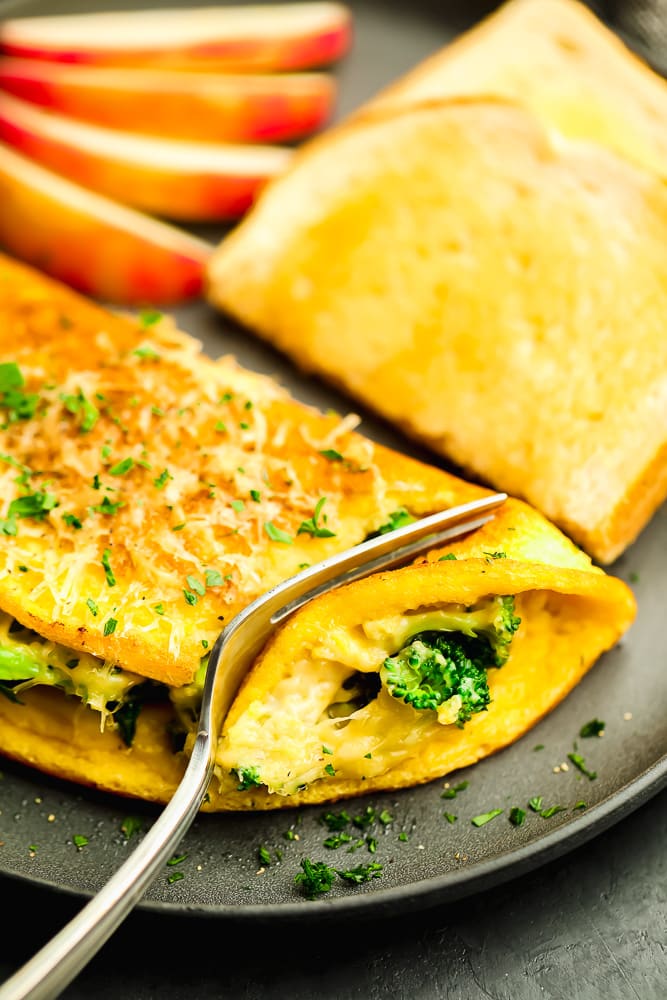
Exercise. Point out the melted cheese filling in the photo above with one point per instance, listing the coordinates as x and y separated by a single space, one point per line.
27 659
309 727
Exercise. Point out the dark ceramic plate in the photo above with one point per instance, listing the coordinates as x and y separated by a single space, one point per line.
426 859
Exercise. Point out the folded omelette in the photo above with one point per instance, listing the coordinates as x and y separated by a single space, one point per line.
149 493
478 255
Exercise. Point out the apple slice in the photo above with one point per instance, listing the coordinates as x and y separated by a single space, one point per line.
192 181
244 39
100 248
209 107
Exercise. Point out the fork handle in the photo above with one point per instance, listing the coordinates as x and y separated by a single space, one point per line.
50 970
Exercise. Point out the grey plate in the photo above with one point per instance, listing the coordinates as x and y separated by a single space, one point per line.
437 860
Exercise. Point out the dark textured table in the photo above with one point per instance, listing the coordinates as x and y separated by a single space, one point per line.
590 925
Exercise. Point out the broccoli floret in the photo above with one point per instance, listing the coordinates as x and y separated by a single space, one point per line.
437 667
500 631
248 778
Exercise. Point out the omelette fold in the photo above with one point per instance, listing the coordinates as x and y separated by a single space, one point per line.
149 493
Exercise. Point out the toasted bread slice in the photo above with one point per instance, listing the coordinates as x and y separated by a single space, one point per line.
494 289
562 63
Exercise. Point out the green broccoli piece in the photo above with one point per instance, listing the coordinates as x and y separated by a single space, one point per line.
248 778
436 666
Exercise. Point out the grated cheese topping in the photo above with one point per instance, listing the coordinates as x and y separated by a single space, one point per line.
157 488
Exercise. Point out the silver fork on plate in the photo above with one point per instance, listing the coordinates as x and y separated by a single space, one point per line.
51 969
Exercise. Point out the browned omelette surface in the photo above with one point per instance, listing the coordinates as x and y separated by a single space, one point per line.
167 489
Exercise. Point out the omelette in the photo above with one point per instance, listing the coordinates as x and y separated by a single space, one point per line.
150 493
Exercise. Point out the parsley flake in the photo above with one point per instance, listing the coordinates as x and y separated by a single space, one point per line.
593 728
122 468
311 526
108 572
517 815
484 818
580 764
277 534
82 408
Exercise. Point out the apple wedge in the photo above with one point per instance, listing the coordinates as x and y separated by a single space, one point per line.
92 244
234 39
211 107
176 179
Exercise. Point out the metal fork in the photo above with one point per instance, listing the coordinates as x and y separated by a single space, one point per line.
51 969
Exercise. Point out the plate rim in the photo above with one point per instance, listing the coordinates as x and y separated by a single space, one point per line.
419 895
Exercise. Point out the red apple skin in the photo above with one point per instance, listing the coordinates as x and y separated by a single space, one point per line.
151 186
195 106
260 50
93 245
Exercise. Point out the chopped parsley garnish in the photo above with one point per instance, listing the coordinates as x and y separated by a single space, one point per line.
19 405
122 468
332 454
580 805
82 408
196 585
174 877
551 811
362 873
336 821
237 505
146 353
255 495
495 555
107 507
263 855
72 521
106 564
312 527
161 481
398 519
92 607
35 505
176 859
130 826
190 597
336 840
517 815
159 609
447 556
79 840
277 534
315 879
451 793
330 770
149 317
213 578
450 817
593 728
580 764
536 803
484 818
110 626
